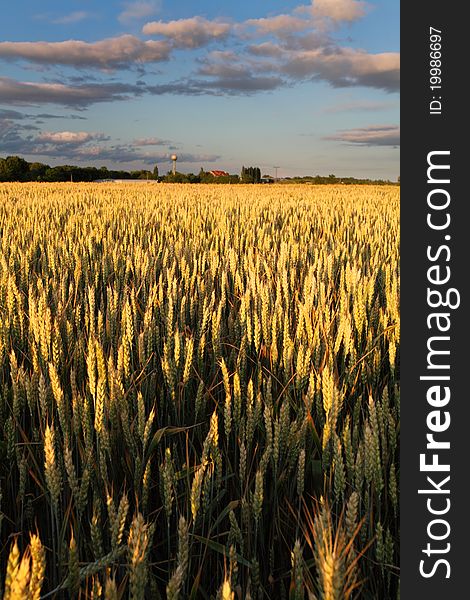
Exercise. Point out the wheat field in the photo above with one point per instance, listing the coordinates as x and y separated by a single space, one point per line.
199 391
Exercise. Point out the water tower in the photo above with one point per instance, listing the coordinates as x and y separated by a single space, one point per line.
174 158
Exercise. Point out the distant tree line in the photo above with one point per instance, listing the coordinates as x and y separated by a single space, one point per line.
15 168
322 179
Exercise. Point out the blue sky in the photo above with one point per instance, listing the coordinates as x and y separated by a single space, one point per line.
310 87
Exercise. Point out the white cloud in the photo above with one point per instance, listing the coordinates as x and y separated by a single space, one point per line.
373 135
339 66
74 17
110 53
150 141
266 49
345 67
188 33
139 10
69 137
336 10
279 23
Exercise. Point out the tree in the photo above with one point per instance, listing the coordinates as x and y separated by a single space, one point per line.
177 177
250 175
141 174
14 168
60 173
155 172
37 171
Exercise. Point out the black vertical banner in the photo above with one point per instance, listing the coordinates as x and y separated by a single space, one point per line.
435 259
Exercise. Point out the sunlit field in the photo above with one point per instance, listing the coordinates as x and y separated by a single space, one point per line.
199 391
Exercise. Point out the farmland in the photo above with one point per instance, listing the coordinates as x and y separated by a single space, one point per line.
199 391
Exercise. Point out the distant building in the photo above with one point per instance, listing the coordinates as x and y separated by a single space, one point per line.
219 173
267 179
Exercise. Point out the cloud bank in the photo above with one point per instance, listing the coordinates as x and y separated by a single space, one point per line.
373 135
112 53
289 48
138 10
27 93
217 57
